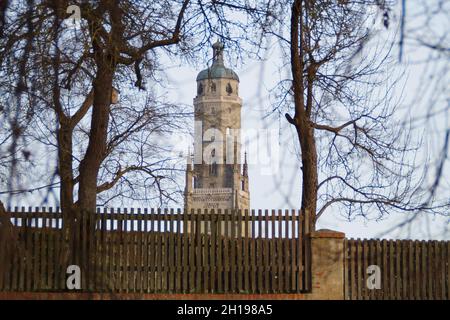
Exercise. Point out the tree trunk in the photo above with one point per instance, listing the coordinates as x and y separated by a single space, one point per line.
96 150
90 165
301 121
65 147
309 172
65 151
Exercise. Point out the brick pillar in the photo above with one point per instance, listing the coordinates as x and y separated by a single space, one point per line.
327 265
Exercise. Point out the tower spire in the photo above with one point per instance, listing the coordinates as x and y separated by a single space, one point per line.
245 170
218 53
189 159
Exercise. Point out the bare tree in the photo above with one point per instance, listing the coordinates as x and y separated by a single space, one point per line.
63 81
354 154
59 73
424 41
423 45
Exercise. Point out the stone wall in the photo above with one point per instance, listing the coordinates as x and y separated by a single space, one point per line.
327 265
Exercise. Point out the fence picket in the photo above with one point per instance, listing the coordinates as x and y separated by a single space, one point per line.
246 262
186 264
437 271
132 252
233 251
448 270
385 276
226 250
192 266
198 251
139 254
299 244
112 245
12 281
259 252
293 262
411 269
205 250
178 256
430 268
280 251
219 239
3 256
404 266
213 251
266 255
152 253
273 265
359 258
379 262
171 250
253 265
159 253
29 248
417 257
22 254
443 262
37 250
352 283
425 293
286 253
307 251
239 265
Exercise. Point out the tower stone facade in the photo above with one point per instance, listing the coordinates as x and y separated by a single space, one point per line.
215 177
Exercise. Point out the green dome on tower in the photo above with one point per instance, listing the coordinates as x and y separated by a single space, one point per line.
217 69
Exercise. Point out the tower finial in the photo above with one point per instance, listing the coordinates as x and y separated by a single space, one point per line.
218 52
189 159
245 169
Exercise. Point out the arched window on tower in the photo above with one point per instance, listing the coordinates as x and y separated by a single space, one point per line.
229 89
213 87
200 89
243 185
213 169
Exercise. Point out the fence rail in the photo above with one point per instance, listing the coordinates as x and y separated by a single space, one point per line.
409 269
154 251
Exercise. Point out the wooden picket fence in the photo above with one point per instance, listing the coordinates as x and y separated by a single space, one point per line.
413 270
154 251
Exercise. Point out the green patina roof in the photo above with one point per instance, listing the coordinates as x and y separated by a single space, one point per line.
217 70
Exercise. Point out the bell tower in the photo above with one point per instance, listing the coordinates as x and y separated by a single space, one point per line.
215 176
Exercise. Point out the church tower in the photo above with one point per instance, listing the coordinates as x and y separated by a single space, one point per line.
216 179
